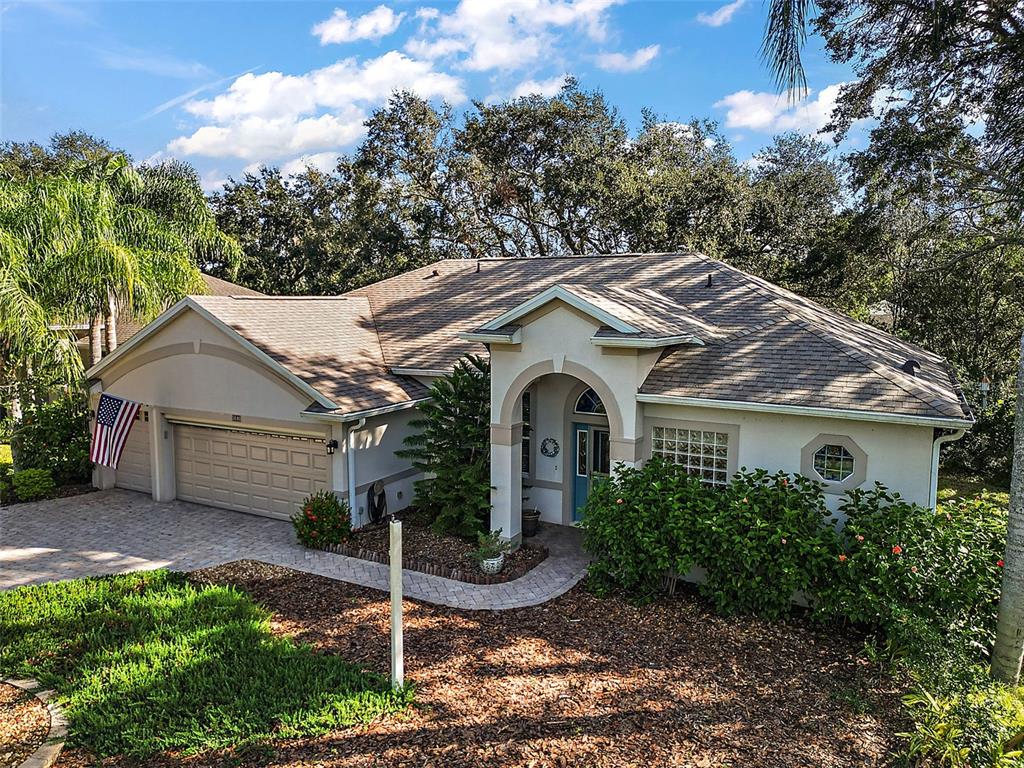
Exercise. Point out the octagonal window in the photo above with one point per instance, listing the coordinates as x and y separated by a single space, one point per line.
834 463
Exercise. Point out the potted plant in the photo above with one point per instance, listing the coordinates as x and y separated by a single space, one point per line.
491 551
531 516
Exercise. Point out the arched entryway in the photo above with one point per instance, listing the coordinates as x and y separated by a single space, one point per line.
555 439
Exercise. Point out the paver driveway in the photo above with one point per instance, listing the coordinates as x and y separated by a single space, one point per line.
115 531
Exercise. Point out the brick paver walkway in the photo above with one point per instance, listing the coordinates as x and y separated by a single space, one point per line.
116 531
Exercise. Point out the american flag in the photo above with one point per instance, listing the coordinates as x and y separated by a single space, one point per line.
114 419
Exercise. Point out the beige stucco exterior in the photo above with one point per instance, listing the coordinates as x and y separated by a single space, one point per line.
191 371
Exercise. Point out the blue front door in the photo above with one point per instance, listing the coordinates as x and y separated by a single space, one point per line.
591 461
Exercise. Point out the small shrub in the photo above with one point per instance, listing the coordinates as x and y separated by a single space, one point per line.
6 489
323 519
490 545
33 484
766 537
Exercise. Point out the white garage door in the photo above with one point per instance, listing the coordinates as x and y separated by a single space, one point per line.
250 472
133 470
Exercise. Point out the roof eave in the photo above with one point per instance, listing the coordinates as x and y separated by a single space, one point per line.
645 342
334 416
562 294
492 337
801 410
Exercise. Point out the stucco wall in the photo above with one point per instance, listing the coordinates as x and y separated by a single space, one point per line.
190 365
375 458
898 456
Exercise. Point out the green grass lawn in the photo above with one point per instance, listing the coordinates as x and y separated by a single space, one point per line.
951 486
148 662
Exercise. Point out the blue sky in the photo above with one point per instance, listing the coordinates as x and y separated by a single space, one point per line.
230 85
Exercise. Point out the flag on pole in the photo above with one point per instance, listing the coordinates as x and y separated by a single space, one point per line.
114 419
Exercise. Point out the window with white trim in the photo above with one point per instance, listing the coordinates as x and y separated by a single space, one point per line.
589 402
527 432
702 453
834 463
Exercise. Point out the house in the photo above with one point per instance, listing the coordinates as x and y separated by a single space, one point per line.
253 402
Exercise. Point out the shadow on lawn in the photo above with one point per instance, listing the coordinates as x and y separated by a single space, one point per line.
149 662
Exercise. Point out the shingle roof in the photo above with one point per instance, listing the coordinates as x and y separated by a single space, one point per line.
763 344
329 343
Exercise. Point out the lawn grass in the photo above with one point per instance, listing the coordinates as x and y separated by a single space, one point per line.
149 662
953 486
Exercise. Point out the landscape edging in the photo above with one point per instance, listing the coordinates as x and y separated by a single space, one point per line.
430 568
46 753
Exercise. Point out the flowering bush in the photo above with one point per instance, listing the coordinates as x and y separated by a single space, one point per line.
942 567
323 519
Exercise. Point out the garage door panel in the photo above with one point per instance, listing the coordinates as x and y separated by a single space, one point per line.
260 473
133 470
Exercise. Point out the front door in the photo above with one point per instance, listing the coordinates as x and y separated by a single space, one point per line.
591 463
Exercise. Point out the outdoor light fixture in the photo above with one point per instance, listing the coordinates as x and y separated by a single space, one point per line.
332 445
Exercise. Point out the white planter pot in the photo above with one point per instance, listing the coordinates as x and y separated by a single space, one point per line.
492 565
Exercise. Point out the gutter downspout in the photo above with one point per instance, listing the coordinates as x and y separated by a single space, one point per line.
350 449
933 491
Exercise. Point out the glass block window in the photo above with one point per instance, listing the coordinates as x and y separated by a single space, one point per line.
833 463
703 453
589 402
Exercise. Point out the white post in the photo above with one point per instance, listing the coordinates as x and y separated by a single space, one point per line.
397 670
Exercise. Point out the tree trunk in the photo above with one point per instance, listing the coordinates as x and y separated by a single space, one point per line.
95 339
111 321
1009 647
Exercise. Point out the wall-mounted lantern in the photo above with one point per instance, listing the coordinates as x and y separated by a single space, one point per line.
332 446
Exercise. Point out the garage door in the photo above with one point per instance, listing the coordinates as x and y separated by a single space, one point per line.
133 470
261 473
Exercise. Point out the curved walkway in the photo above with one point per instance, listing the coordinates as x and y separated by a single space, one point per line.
116 531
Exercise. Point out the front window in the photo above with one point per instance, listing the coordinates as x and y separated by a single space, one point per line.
589 402
702 453
527 431
834 463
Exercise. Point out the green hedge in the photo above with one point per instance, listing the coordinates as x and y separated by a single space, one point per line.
758 540
924 582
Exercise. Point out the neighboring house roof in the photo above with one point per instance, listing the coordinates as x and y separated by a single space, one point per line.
128 327
761 343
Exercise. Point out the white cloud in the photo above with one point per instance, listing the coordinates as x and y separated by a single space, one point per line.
772 112
274 115
721 16
191 94
340 28
623 62
546 88
506 34
322 161
258 138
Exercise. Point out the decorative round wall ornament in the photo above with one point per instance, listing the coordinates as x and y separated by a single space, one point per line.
549 447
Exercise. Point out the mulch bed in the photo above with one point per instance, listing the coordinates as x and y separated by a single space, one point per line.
24 723
578 681
442 555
